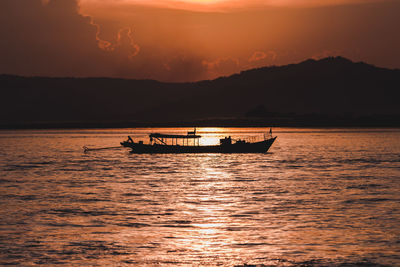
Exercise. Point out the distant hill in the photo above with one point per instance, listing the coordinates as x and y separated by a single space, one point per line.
313 89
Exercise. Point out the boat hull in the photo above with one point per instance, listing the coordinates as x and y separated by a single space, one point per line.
257 147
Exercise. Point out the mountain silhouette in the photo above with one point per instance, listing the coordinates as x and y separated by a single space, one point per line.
327 88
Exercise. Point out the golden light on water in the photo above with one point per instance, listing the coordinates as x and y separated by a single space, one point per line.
311 199
209 141
210 135
202 1
208 234
211 130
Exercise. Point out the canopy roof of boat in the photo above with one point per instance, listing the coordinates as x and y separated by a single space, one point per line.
174 136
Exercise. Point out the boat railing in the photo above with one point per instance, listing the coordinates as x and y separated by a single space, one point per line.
250 139
192 139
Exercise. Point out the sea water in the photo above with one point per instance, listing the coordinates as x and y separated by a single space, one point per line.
318 197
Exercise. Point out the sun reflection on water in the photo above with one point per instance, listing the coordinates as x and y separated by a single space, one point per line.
208 208
318 196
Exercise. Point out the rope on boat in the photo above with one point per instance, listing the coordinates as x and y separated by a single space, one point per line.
86 149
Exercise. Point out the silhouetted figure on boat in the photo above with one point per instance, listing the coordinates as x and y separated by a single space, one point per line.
225 141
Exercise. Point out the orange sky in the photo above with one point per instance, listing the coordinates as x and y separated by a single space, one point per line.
172 40
224 5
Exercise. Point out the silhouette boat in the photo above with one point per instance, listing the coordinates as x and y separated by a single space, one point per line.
190 143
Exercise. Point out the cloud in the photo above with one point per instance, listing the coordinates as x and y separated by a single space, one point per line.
51 38
125 42
260 55
222 66
183 68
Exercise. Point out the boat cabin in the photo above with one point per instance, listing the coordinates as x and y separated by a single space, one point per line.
191 139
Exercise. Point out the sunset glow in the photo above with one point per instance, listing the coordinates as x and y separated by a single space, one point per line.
182 40
219 5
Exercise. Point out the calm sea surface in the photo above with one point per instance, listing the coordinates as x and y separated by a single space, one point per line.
318 197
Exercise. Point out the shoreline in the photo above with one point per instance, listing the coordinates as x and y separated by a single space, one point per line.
392 123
